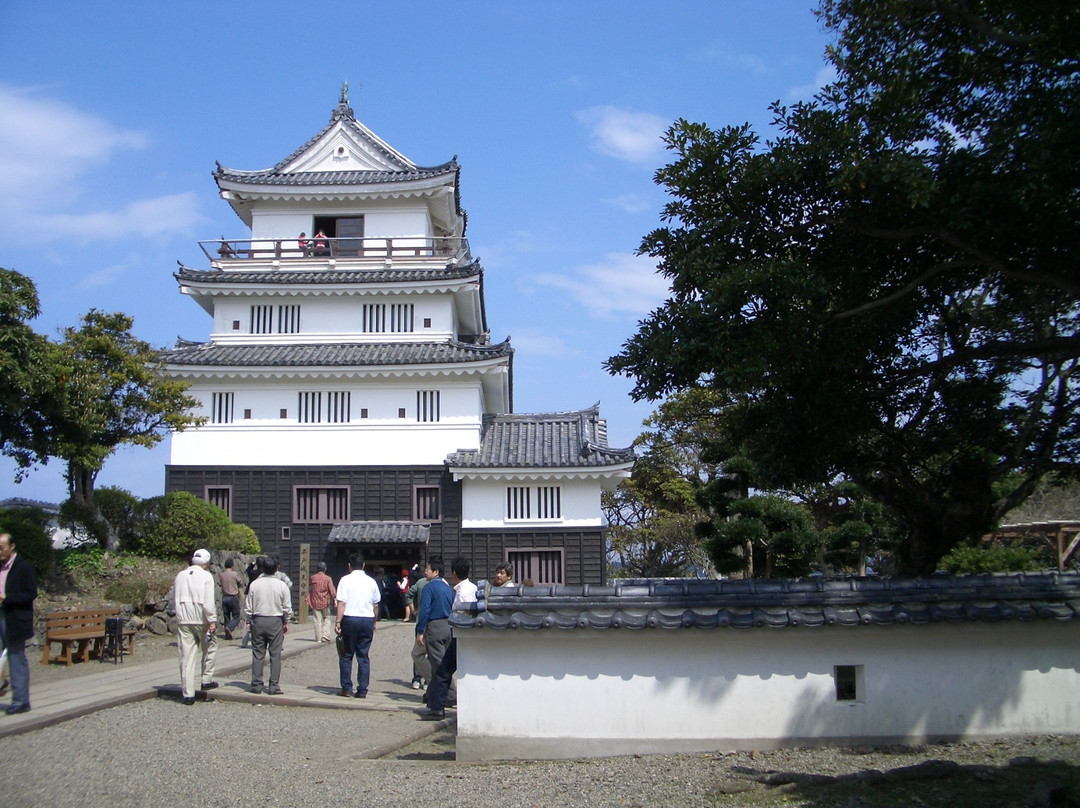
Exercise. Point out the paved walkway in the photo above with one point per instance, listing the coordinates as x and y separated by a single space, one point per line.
129 681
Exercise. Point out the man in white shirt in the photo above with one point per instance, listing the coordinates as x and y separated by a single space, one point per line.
196 613
358 597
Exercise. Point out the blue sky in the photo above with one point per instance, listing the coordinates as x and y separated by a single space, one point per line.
112 115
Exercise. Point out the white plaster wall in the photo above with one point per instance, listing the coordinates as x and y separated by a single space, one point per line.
484 500
275 223
381 438
382 218
555 693
349 444
334 318
397 223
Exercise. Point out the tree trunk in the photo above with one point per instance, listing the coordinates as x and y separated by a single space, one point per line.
81 492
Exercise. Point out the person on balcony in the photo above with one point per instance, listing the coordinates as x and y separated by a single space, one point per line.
302 243
322 244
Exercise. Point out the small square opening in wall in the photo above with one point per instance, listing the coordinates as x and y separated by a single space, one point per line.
848 680
235 325
401 412
427 322
284 413
363 412
247 415
285 534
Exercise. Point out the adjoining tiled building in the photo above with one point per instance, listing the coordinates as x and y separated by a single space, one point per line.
352 393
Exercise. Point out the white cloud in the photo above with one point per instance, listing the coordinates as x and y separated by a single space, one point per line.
45 144
145 218
804 92
104 277
631 136
621 284
744 62
47 148
631 203
539 343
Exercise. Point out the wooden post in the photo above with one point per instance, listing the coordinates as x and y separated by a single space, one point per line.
305 581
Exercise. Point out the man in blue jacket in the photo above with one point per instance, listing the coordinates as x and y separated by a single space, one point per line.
18 590
433 619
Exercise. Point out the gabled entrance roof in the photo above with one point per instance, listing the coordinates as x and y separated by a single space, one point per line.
379 533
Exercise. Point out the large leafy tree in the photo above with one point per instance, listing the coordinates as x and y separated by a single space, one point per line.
107 392
23 432
887 291
652 517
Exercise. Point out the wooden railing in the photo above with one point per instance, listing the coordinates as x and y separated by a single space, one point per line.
375 249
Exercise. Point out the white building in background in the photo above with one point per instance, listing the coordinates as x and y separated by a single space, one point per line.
353 394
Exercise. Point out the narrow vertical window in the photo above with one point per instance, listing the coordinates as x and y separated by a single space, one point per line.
373 318
543 567
401 317
548 502
324 505
518 505
428 405
262 320
288 319
338 406
309 407
220 495
221 408
426 504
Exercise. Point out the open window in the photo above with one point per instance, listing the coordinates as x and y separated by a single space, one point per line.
346 232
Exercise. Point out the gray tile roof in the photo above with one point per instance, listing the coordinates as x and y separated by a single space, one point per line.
407 171
811 602
292 277
271 176
549 440
379 533
333 355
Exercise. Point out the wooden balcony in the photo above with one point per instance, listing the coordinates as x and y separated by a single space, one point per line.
343 253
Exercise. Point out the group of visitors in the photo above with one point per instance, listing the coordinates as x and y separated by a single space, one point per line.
345 614
266 613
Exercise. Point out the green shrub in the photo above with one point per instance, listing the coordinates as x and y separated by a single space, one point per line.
989 559
89 559
29 531
243 539
179 523
120 509
131 590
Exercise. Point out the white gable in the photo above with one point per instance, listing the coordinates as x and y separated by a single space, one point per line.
349 146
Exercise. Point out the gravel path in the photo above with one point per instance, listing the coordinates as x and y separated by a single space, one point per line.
160 753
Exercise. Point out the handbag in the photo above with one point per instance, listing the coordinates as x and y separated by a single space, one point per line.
339 643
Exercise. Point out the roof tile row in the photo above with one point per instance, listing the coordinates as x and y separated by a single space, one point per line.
814 602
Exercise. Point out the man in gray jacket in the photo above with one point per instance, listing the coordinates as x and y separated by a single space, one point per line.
267 611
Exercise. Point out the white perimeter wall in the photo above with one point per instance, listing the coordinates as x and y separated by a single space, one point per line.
585 693
485 502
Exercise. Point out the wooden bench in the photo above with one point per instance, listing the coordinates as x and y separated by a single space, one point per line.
84 631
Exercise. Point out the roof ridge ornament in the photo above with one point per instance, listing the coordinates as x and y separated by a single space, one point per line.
343 109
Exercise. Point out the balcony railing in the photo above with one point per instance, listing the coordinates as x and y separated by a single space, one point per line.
381 250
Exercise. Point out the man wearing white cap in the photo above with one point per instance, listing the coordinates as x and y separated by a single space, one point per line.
196 612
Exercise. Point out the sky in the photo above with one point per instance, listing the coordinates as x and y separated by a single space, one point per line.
113 114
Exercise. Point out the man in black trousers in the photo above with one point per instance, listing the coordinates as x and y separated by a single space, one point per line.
18 590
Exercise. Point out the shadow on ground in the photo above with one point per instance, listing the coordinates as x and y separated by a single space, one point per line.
1023 782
